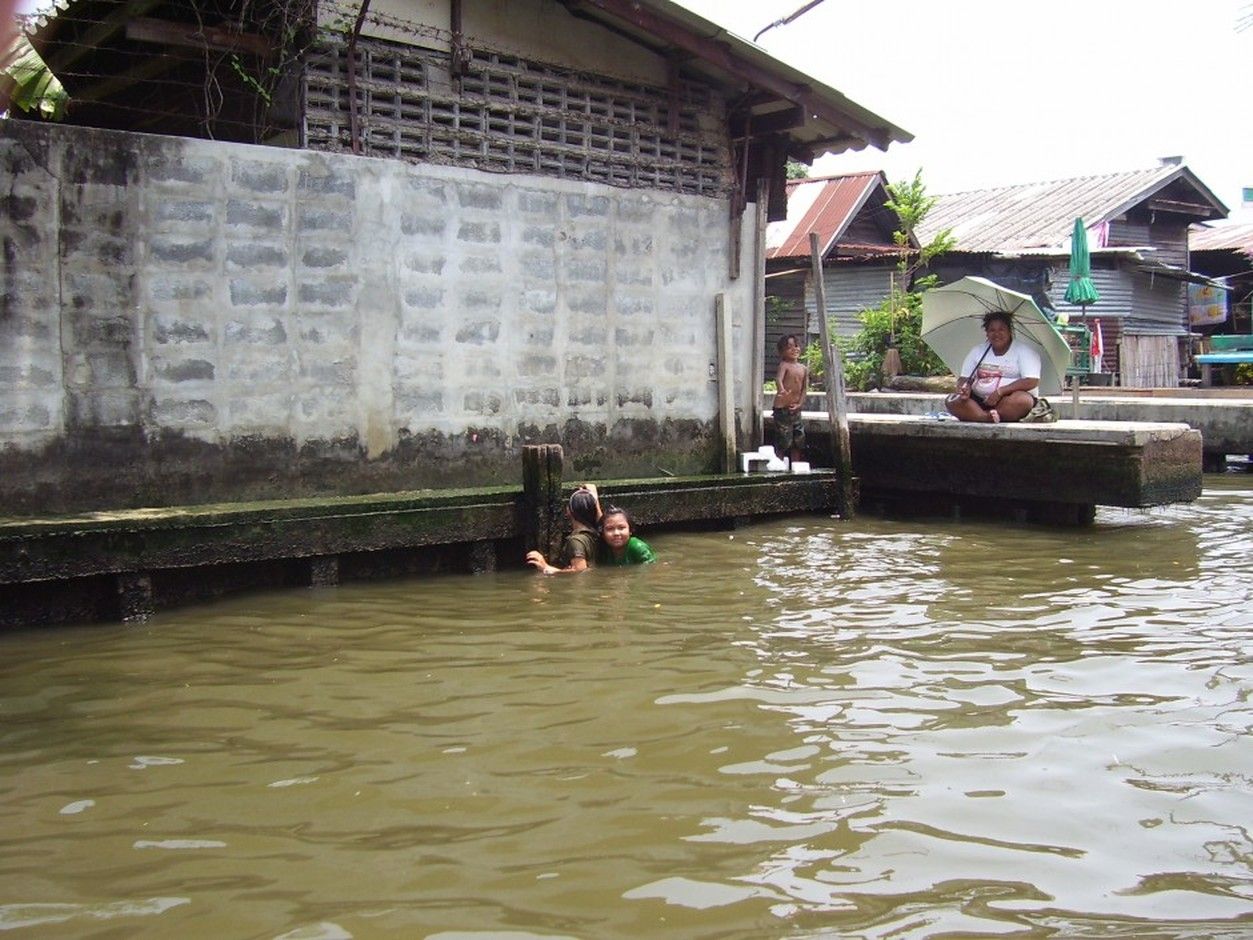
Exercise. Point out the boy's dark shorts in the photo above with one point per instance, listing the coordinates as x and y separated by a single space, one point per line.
789 429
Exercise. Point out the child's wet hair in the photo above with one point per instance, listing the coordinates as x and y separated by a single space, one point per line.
783 340
583 507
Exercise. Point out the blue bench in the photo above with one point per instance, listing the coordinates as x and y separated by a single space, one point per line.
1224 351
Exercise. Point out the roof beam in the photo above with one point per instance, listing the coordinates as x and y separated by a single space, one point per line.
719 54
1158 204
194 36
771 122
78 46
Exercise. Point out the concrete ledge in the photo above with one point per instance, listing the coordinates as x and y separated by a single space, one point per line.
139 540
1225 421
1080 463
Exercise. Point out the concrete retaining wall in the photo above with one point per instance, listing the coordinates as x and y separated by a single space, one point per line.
188 321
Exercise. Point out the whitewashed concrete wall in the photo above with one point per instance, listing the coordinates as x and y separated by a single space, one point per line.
187 319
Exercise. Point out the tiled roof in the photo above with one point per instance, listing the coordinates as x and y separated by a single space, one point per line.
1034 216
826 205
1232 236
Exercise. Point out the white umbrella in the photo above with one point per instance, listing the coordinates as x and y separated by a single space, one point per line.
952 323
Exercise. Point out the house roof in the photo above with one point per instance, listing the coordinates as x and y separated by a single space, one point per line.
816 118
826 205
1038 218
1232 236
772 98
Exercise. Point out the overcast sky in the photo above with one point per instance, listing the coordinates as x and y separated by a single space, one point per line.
1016 91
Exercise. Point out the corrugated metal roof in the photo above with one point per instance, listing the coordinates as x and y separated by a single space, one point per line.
1041 216
1232 236
826 205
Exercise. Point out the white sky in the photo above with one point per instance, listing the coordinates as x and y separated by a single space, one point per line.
1017 91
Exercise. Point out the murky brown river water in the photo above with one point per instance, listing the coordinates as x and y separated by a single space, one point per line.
806 728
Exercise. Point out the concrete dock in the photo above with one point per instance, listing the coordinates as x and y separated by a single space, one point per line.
1054 473
1224 417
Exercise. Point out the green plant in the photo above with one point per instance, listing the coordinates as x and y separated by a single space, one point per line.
814 362
897 320
26 78
1244 373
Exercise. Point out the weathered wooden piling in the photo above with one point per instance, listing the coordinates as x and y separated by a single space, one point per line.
837 406
543 515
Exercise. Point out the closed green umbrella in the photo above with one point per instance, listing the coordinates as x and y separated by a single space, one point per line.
1080 290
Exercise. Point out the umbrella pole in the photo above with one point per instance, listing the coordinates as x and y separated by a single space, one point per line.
1074 379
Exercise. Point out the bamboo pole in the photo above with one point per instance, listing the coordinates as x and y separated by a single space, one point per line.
837 404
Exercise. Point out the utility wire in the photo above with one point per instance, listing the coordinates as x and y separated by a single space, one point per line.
787 19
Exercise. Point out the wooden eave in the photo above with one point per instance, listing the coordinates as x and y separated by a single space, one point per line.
814 117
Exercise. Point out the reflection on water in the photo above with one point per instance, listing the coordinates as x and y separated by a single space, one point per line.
803 728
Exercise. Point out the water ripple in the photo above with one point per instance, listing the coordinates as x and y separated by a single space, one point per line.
805 727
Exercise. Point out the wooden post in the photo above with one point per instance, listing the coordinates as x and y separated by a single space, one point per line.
726 383
756 417
837 405
543 513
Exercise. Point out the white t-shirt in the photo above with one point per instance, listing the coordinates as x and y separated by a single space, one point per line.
1019 362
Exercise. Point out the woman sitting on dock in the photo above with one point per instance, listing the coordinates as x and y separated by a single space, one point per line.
998 377
579 552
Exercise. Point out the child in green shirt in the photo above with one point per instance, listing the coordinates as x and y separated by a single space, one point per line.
624 548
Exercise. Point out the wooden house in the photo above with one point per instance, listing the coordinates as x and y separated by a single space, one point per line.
1224 252
859 257
1137 225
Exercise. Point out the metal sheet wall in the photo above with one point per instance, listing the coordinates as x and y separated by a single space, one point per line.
1113 285
850 290
1151 305
1157 306
785 313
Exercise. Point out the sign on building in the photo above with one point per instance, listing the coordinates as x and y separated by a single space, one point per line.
1207 304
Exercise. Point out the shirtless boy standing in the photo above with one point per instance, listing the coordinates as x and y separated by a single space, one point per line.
793 383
